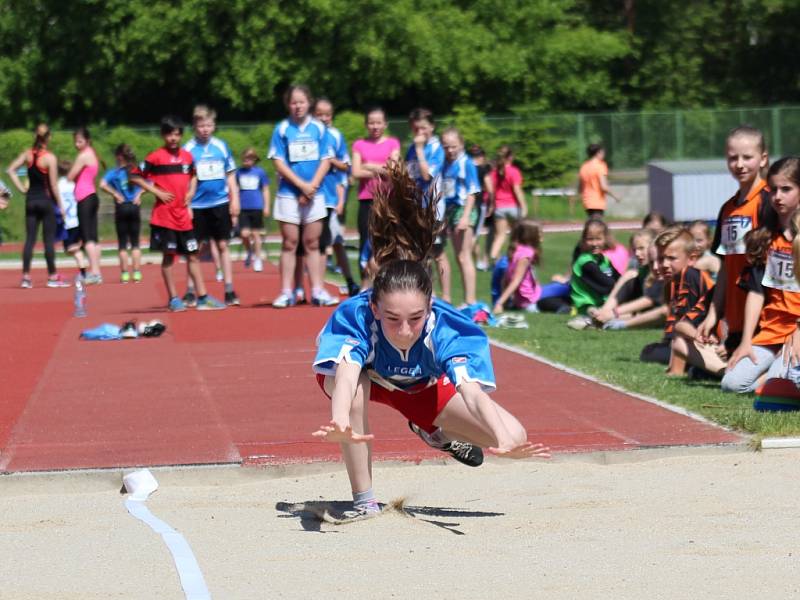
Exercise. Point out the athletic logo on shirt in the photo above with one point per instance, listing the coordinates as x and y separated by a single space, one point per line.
351 341
459 359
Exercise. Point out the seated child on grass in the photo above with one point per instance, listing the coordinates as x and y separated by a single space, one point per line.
685 284
520 288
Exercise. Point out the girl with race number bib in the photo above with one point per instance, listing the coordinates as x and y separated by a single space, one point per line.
396 345
773 295
746 211
301 153
460 189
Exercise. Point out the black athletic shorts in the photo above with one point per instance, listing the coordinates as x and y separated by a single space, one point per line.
128 222
170 241
87 218
73 239
325 237
251 219
212 223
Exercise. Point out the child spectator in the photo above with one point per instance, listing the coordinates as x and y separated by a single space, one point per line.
747 210
509 200
773 296
83 173
424 161
127 218
370 157
215 204
42 200
593 275
484 200
708 261
168 174
300 151
637 292
520 289
685 284
618 255
460 188
593 182
334 187
655 221
72 234
253 184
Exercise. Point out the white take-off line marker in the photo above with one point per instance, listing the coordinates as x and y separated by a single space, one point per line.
140 484
780 442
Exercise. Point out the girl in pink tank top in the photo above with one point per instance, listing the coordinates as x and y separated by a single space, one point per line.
83 173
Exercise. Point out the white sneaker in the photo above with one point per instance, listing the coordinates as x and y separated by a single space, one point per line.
323 298
258 265
219 276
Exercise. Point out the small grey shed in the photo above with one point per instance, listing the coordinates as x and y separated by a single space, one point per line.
686 190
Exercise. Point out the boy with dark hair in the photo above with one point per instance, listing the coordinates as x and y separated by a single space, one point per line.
168 173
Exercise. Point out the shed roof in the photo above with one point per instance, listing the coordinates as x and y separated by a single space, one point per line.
691 167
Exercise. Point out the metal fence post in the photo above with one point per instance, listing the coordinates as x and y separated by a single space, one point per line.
777 141
679 142
581 133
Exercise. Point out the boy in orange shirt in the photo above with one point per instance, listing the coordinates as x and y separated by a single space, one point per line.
593 182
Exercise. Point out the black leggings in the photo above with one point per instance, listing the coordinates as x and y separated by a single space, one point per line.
364 210
39 210
87 218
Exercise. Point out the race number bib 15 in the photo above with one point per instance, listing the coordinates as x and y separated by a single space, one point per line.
449 188
734 228
208 170
779 272
249 182
303 150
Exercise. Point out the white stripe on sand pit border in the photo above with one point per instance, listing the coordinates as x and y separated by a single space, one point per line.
676 409
778 443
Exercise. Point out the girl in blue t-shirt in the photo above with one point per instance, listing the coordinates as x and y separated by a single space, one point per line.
396 345
302 154
254 199
127 217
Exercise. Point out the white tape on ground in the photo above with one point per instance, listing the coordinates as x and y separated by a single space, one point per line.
140 484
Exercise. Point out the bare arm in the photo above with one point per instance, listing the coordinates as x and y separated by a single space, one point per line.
77 167
14 167
648 317
365 170
483 409
337 164
716 308
306 188
265 194
162 195
233 192
752 313
344 390
606 189
187 200
109 190
52 175
520 196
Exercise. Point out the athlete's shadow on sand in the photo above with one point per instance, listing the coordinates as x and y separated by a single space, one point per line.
310 513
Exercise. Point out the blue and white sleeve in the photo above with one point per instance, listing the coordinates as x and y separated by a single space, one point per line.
277 146
461 349
230 162
471 179
345 337
342 154
436 162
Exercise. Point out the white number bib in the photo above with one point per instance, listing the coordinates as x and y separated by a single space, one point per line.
779 272
733 230
449 188
303 150
210 169
248 182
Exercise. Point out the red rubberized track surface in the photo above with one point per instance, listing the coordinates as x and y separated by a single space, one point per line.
236 386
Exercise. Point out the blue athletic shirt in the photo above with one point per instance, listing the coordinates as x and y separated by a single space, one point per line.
451 344
459 180
117 179
434 156
251 183
335 177
301 146
213 161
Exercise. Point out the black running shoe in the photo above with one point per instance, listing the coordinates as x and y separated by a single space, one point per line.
464 452
231 299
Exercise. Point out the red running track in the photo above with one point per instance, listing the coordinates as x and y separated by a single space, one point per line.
235 386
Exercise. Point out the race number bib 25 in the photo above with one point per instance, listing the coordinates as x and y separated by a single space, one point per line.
303 150
208 170
779 272
734 228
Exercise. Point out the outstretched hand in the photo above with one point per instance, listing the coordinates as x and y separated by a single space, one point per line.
524 450
334 433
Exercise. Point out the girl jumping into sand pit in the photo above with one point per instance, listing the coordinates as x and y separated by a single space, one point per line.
396 345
